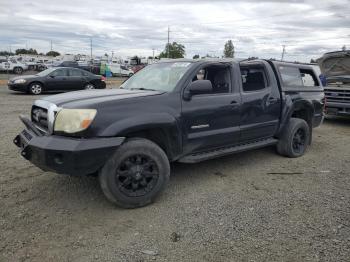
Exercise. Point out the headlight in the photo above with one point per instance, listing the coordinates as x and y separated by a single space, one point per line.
74 120
20 81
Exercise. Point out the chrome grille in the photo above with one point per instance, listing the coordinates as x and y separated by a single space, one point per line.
40 118
340 95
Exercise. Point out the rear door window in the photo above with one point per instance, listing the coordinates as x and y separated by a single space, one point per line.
75 72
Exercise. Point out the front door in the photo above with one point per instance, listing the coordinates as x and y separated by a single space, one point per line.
211 120
57 80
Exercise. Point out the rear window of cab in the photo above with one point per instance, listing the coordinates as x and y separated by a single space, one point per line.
298 77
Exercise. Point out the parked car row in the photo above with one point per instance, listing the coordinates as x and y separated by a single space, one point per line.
106 69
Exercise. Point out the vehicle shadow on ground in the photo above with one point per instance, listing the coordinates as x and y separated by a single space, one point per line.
339 120
85 192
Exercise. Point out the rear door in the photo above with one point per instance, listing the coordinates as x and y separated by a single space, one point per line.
212 120
261 101
76 80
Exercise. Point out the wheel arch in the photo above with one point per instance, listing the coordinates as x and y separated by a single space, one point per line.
160 128
302 109
35 81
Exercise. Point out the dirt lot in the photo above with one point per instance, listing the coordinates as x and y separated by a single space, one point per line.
255 206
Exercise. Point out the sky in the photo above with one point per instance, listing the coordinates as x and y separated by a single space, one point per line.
307 28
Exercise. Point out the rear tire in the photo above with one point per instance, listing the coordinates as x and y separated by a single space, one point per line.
35 88
295 139
89 86
136 173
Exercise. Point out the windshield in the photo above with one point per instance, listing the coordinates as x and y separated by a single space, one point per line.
46 72
159 77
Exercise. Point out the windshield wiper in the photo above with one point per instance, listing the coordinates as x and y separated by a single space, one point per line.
142 88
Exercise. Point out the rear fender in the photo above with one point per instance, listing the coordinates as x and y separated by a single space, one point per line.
291 107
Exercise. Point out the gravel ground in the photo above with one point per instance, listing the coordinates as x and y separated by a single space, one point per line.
255 206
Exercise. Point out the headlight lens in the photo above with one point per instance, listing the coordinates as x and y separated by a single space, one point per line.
20 81
74 120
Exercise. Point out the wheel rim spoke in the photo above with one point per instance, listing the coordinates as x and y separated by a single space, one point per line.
137 175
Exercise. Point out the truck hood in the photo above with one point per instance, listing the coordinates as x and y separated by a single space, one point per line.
335 63
90 97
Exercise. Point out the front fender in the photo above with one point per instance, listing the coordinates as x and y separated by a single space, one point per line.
140 122
170 136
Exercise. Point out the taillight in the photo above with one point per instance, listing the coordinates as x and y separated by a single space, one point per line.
103 78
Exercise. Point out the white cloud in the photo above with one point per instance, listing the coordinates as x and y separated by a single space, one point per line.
258 28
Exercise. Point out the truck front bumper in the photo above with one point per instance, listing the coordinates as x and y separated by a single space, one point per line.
336 108
65 155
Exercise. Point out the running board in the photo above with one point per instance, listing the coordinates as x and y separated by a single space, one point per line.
199 157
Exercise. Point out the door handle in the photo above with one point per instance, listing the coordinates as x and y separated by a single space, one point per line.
233 102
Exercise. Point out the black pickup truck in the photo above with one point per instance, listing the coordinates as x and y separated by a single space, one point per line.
179 110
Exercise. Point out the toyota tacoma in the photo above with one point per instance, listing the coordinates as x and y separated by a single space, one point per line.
178 110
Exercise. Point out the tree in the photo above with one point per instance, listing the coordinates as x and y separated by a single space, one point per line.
229 49
252 58
343 48
6 53
312 61
174 50
196 57
30 51
53 53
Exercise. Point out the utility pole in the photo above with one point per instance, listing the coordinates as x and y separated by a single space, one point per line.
51 45
153 53
283 52
168 49
91 48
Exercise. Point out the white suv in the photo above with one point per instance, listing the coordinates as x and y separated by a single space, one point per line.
13 66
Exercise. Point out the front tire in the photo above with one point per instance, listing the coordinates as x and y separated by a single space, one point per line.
136 173
35 89
295 139
18 70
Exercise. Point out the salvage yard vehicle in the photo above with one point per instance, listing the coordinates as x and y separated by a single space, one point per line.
120 70
13 66
336 67
56 79
178 110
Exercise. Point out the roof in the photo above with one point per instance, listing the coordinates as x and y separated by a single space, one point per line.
203 60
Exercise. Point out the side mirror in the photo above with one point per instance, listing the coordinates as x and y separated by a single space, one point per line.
52 76
198 87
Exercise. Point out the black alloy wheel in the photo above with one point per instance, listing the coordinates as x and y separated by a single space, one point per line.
137 175
299 141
